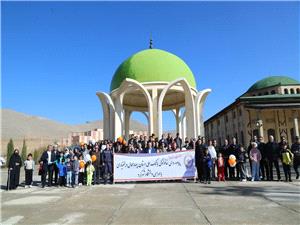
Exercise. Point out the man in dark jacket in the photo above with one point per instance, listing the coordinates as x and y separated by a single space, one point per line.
233 150
47 160
97 164
264 164
14 166
178 141
107 160
199 159
296 151
273 156
55 168
225 153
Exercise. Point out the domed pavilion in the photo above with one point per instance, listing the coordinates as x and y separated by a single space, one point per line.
152 81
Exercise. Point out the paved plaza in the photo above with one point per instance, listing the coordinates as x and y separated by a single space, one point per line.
155 203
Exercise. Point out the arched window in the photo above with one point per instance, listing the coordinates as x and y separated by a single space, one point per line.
286 91
242 138
298 90
292 91
273 92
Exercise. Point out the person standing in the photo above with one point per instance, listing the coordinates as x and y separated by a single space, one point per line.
213 155
221 167
241 161
14 165
287 159
107 159
29 168
178 141
98 165
225 153
264 165
233 150
55 168
69 171
273 156
75 171
47 160
89 173
62 172
296 151
199 159
207 164
255 158
254 139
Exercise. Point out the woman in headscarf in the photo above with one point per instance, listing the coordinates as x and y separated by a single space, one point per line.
14 166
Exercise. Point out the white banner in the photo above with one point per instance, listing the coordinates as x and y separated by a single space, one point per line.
162 166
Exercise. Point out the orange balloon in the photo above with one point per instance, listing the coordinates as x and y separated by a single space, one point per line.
232 160
81 164
120 139
94 158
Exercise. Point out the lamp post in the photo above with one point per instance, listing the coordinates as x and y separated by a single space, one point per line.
259 125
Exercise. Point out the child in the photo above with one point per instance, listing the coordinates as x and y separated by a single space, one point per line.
75 170
29 168
89 173
221 167
69 172
287 159
207 164
62 172
81 170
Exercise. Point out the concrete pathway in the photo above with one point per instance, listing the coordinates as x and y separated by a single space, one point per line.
155 203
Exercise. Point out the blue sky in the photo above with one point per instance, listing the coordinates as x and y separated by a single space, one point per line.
56 55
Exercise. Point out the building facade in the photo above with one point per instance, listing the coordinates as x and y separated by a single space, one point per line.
271 106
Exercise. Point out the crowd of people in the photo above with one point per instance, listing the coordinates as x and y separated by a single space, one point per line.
92 163
228 162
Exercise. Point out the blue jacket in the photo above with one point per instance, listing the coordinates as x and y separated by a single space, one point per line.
62 169
207 160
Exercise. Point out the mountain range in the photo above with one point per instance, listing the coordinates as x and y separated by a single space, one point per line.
39 131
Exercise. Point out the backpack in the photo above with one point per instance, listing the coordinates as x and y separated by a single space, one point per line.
287 158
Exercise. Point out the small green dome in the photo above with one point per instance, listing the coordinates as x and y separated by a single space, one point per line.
152 65
272 81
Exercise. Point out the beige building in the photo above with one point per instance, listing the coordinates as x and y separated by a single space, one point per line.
75 138
271 106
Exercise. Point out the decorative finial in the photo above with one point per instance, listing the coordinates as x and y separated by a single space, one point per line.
150 44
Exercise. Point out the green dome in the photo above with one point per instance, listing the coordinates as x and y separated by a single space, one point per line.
152 65
272 81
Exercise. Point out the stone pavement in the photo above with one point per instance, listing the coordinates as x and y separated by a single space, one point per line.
155 203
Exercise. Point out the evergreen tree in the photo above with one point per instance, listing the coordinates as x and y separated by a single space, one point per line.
10 150
24 151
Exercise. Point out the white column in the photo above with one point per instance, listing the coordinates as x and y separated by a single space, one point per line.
118 125
176 113
296 124
154 115
199 103
127 120
149 125
184 128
